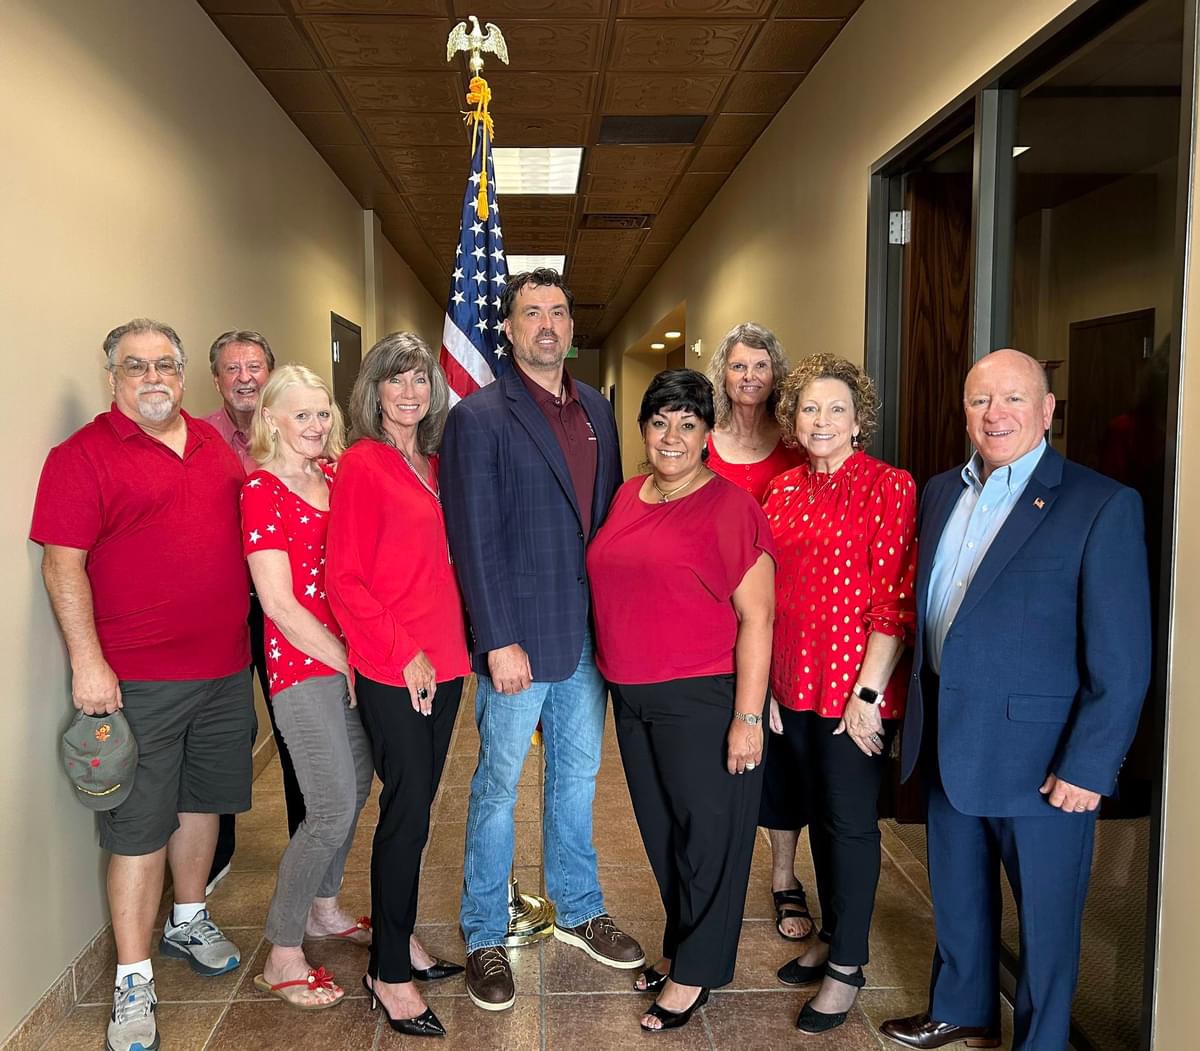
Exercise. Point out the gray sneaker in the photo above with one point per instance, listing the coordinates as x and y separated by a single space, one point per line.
201 943
132 1026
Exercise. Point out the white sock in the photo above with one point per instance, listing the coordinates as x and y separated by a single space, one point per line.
185 912
143 968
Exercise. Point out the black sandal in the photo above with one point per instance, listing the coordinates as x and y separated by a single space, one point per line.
792 905
674 1019
652 978
813 1021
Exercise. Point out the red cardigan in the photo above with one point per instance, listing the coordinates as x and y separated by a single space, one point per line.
388 570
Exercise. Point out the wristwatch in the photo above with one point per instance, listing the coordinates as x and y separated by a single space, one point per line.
749 718
865 693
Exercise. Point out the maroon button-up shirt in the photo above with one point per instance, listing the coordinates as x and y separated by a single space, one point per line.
569 422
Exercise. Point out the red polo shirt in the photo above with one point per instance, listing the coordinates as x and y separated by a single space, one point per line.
571 426
169 585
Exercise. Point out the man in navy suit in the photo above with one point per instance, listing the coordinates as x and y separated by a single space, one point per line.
529 466
1032 661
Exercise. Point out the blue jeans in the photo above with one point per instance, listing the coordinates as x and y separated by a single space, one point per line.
572 717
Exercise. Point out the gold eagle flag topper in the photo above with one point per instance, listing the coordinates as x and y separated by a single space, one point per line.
479 94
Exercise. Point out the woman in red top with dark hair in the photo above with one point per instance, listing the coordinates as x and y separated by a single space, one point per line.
746 446
682 582
845 527
393 589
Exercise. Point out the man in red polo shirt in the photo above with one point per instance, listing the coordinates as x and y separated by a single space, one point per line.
138 516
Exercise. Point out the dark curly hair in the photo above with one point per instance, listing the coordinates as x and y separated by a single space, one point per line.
828 367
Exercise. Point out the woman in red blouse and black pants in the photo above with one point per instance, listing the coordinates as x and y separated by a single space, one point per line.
845 527
393 589
682 578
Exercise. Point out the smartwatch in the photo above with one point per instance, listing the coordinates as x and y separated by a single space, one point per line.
865 693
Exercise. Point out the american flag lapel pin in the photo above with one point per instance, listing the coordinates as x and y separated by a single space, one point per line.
1039 503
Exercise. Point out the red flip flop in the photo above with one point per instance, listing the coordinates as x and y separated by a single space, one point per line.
316 979
363 923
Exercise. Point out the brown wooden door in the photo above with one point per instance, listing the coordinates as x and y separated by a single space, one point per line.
346 349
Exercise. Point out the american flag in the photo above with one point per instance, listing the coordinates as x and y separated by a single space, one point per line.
472 341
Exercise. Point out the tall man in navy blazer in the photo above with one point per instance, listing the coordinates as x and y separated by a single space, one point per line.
1032 661
529 466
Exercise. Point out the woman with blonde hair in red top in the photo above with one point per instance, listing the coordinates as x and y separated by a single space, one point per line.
844 525
394 592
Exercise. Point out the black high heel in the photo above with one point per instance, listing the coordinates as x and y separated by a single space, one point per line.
425 1024
674 1019
813 1021
439 970
653 979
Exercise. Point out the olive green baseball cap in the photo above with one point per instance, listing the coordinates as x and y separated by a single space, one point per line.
100 757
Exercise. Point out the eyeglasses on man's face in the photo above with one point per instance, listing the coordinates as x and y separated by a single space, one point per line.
135 367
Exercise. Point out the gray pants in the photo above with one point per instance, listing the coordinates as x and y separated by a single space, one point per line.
332 757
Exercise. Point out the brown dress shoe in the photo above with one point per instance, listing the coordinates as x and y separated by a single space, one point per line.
490 979
923 1032
604 942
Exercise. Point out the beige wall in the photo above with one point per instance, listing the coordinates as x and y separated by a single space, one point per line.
406 305
147 172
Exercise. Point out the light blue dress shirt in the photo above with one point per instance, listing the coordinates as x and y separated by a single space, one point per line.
976 519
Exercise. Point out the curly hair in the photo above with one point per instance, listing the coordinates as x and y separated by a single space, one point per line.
750 335
828 367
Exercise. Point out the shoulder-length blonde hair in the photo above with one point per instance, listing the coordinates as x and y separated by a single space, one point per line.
263 438
751 335
396 353
828 367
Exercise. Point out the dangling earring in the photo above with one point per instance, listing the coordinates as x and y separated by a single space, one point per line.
274 436
855 442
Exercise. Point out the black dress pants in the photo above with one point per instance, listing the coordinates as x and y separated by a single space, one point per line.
697 820
841 785
409 752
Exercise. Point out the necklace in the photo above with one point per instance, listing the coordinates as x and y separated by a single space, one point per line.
413 467
665 494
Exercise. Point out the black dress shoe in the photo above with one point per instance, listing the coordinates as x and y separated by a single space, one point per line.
796 973
810 1020
425 1024
674 1019
440 969
653 979
921 1031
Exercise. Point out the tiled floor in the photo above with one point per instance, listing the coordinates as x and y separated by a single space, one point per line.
564 999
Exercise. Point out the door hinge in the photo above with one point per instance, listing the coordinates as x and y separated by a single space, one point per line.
899 227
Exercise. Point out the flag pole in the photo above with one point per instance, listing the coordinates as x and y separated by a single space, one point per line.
470 355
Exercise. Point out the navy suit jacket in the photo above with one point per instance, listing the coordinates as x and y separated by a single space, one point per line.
514 523
1046 665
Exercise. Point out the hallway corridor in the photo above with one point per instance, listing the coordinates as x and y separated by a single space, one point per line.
564 1000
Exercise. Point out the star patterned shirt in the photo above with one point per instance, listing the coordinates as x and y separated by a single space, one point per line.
847 566
276 519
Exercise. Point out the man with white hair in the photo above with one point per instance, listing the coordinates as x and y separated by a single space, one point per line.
137 513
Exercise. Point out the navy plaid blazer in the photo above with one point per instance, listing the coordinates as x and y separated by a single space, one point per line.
514 525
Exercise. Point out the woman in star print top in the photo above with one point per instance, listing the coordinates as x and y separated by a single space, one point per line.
845 527
746 447
297 430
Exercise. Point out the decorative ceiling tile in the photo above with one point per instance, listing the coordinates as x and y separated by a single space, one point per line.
411 43
543 93
792 44
622 202
518 129
370 7
242 7
737 129
571 45
356 167
817 8
420 129
416 159
760 92
302 92
428 182
633 93
679 44
531 8
694 8
403 91
656 183
613 160
267 41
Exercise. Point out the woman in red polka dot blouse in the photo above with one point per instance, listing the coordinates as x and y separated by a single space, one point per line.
844 524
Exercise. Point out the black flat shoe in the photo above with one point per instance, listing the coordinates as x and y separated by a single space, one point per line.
813 1021
674 1019
440 969
425 1024
796 973
652 978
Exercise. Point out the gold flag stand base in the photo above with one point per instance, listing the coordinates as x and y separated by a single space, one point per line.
530 917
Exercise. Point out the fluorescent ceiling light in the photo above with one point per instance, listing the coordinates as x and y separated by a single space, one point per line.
525 169
1018 150
673 335
658 346
520 264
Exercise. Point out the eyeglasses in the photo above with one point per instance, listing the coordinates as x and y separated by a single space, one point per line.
135 367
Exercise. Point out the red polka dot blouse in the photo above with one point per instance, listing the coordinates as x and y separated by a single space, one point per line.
847 557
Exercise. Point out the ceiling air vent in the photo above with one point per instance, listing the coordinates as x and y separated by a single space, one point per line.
651 130
616 221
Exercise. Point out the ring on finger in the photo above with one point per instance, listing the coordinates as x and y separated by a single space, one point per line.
422 694
751 766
